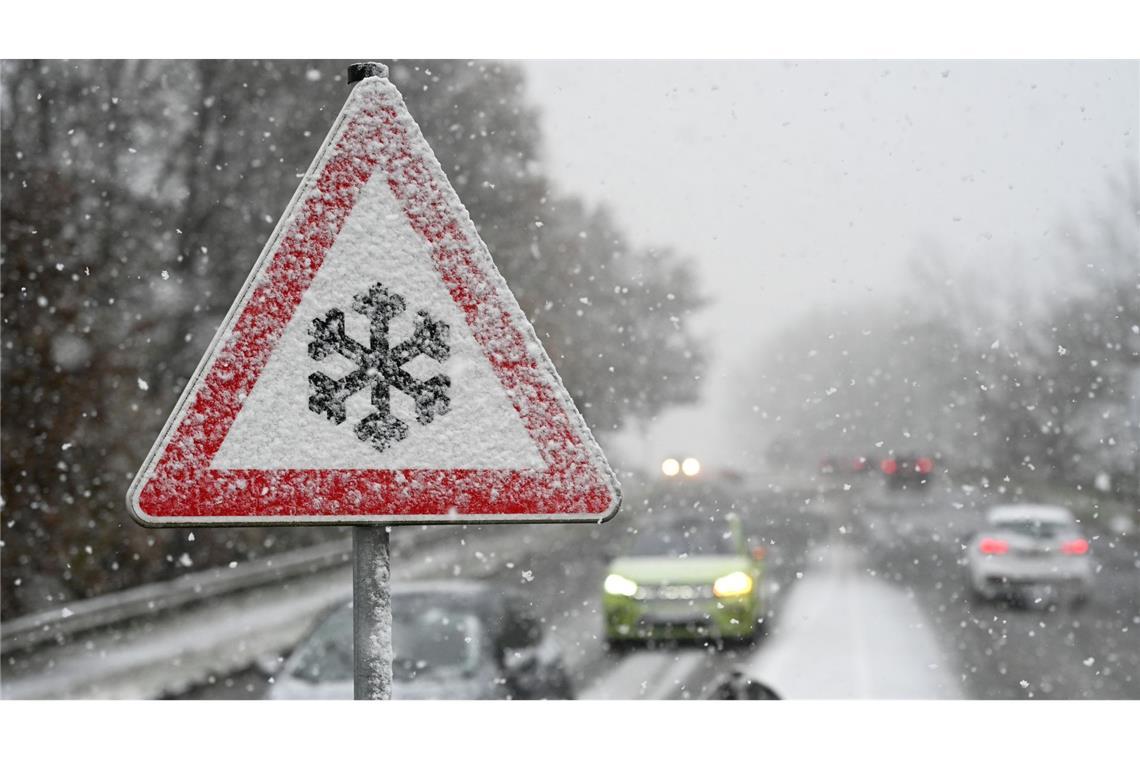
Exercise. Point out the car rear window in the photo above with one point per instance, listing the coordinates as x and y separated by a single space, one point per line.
1034 528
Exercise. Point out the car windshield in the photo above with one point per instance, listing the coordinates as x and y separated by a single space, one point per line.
429 638
684 540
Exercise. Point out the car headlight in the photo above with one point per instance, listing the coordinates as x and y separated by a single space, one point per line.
619 585
733 584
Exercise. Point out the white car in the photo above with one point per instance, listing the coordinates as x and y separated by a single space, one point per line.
1028 552
452 639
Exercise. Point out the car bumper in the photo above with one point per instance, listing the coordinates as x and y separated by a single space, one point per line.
997 578
898 481
628 619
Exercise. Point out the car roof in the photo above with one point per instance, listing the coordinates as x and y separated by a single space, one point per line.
1036 512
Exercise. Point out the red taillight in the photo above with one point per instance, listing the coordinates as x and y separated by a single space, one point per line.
924 465
1076 546
889 466
993 546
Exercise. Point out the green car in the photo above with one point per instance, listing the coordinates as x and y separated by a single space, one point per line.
687 579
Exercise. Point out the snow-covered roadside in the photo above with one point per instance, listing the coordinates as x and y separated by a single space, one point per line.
173 651
843 634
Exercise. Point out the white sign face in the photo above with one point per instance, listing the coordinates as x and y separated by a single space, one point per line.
375 367
377 245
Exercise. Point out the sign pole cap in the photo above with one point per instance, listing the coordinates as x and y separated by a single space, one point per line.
359 71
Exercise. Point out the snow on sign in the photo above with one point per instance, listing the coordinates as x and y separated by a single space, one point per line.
375 367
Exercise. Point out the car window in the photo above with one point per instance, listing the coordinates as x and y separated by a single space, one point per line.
430 638
327 654
1033 528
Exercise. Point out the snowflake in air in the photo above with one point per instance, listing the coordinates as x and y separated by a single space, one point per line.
378 367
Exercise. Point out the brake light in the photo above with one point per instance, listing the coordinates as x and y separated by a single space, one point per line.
889 466
924 465
993 546
1076 546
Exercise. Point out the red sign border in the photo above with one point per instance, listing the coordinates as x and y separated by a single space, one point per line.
176 485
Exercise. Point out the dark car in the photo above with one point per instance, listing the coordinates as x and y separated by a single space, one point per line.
450 640
907 470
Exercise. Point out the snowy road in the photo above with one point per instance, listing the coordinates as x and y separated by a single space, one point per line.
999 651
563 568
869 602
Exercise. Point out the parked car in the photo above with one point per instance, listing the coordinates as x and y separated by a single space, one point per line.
1029 551
450 639
685 578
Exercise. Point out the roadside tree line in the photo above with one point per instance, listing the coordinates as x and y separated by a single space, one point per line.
136 196
1029 371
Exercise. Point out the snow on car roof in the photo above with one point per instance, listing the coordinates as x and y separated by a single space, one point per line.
1039 512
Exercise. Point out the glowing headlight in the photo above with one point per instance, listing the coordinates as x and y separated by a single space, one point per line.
670 467
619 585
733 584
691 466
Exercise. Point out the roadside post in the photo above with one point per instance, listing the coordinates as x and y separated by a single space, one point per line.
374 370
371 613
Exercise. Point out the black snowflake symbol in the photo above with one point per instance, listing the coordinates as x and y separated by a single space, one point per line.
379 367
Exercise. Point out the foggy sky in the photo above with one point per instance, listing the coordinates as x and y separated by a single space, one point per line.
800 184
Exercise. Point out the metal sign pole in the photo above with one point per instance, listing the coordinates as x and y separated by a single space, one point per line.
371 568
371 613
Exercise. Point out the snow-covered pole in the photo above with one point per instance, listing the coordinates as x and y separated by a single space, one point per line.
371 613
371 566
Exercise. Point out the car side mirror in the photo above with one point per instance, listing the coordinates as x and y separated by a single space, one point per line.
759 553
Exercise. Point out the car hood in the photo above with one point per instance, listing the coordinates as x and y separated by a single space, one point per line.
678 569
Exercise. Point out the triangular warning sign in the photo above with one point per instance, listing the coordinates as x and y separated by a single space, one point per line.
375 367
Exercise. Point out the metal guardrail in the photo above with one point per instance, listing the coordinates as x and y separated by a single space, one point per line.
60 622
118 607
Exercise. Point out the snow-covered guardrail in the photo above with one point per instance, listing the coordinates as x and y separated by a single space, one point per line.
119 607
